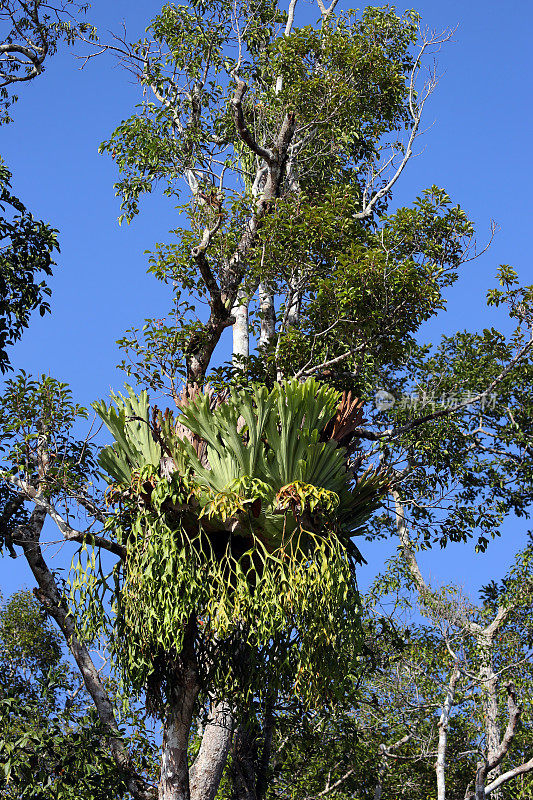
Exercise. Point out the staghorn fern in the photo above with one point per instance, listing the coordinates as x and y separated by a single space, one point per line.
134 446
272 440
257 540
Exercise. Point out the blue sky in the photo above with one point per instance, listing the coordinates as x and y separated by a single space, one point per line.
476 148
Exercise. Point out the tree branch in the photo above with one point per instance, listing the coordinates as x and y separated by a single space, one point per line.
415 112
505 777
325 12
453 617
69 533
240 124
485 766
444 412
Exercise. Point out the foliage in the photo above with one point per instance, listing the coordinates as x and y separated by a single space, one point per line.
51 746
233 520
26 258
256 546
31 32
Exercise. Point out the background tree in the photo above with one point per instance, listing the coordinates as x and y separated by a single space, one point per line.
31 33
51 741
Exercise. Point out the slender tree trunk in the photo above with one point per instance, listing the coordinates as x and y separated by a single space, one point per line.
489 683
174 775
241 339
293 316
268 316
444 721
174 781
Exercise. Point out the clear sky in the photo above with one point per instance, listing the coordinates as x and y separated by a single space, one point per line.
479 120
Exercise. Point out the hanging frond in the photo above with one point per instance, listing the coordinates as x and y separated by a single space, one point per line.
251 533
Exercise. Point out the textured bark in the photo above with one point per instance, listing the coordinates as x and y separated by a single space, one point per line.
268 316
174 780
489 682
510 775
487 766
293 313
174 776
241 338
207 769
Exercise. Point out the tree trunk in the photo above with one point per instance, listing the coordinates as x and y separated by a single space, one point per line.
489 683
268 316
174 781
174 776
241 340
444 721
207 769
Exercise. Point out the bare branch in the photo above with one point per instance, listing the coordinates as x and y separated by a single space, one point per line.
325 12
287 32
242 130
415 110
69 533
505 777
440 766
454 616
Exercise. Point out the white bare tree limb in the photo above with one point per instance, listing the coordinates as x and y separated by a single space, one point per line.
69 533
440 766
505 777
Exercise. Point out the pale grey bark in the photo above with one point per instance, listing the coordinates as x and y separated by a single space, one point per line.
510 775
489 682
206 772
241 335
488 765
268 315
174 781
326 11
440 766
294 300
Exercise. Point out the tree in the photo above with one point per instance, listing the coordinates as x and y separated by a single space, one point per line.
27 252
289 140
51 742
446 714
